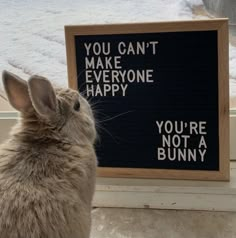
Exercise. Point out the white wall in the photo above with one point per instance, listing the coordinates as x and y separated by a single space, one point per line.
5 126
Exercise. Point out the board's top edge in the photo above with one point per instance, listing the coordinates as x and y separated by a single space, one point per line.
193 21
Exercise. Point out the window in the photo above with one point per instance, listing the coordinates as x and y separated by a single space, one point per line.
33 34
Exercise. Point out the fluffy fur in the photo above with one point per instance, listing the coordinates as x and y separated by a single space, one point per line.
47 168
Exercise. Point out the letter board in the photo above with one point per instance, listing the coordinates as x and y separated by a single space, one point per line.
160 96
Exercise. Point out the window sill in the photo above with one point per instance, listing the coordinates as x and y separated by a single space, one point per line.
167 194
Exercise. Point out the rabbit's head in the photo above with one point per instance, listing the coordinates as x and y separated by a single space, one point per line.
46 110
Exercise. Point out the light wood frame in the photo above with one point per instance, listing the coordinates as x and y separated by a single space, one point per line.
221 26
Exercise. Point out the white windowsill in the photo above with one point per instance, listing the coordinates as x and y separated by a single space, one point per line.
167 194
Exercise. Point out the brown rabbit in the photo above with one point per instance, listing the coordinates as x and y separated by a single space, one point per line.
47 167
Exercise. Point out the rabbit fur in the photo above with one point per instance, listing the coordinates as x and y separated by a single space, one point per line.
47 167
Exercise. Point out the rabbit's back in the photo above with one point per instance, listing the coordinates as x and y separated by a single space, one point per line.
46 191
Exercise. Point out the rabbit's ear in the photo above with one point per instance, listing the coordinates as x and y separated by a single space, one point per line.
17 91
43 96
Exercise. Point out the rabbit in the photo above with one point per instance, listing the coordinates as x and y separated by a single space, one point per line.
48 166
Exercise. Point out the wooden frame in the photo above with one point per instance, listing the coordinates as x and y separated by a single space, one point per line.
221 26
